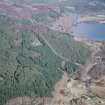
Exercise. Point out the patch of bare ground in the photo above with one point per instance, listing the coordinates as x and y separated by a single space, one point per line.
94 69
59 86
64 23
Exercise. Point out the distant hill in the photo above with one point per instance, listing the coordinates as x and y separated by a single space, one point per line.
33 1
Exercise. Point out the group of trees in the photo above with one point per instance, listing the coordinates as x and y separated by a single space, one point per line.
24 74
67 48
26 70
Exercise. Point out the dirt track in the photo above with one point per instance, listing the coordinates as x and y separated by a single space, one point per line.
59 86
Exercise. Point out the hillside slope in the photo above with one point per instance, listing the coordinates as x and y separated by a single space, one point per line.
28 66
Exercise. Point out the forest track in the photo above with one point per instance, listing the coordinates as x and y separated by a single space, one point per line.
59 86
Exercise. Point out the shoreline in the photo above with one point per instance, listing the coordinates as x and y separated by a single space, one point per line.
92 44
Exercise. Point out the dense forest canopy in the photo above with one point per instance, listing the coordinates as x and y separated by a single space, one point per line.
28 65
